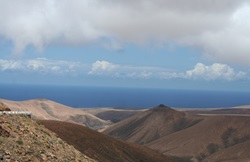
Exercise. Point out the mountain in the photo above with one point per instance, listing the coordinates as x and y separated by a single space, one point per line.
102 147
188 137
151 125
43 109
180 135
22 139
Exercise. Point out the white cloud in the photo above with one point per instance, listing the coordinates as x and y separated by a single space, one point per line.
214 72
100 67
44 66
220 27
229 44
41 66
105 68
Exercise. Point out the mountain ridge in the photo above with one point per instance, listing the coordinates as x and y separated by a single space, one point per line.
44 109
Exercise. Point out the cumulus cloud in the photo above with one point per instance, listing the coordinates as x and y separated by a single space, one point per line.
214 72
41 66
201 71
103 66
219 28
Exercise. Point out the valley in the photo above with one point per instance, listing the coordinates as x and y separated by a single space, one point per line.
156 134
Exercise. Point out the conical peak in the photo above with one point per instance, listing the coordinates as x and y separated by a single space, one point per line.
161 107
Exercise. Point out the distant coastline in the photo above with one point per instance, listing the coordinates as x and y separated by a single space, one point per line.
125 97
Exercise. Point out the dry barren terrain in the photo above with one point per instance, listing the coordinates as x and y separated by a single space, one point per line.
101 147
22 139
186 136
43 109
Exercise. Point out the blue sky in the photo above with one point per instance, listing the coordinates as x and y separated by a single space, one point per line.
154 44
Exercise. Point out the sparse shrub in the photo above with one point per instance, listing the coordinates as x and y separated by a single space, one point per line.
212 148
35 138
38 122
45 132
19 141
8 125
61 142
12 136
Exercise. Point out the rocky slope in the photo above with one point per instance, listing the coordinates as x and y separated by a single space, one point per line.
101 147
22 139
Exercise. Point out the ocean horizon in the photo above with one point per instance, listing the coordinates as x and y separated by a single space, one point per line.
135 98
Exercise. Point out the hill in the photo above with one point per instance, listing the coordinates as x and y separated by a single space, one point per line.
151 125
215 134
43 109
101 147
187 137
22 139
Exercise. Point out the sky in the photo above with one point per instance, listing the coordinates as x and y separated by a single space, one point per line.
180 44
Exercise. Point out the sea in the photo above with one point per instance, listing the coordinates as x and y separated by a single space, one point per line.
125 98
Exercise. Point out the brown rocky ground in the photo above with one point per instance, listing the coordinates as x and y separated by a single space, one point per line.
102 147
22 139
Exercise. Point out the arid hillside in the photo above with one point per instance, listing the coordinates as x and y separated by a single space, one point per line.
187 137
114 115
22 139
43 109
151 125
102 147
214 134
